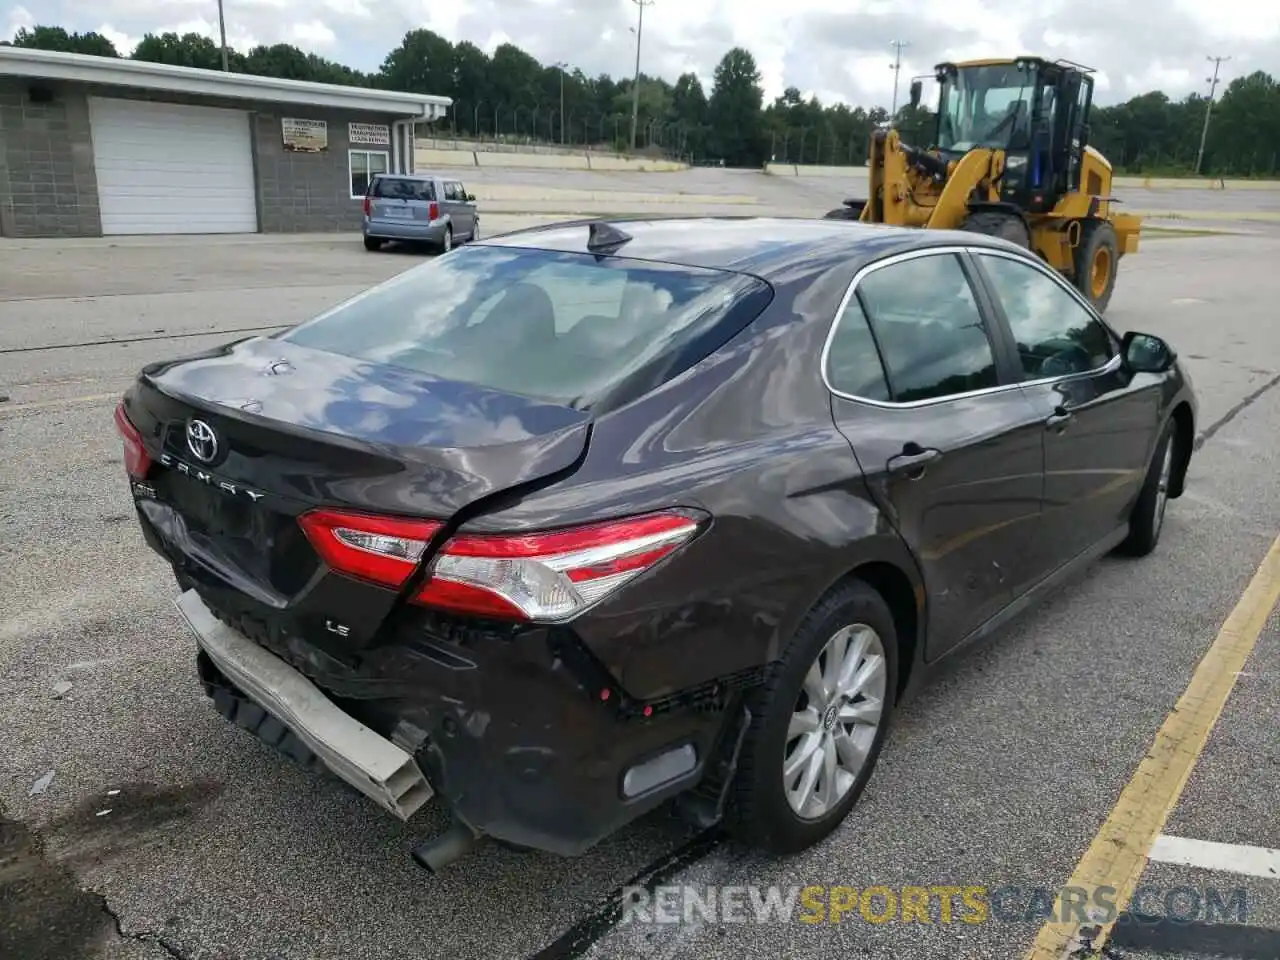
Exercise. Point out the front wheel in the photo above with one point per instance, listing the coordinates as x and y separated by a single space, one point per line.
1096 261
818 724
1147 519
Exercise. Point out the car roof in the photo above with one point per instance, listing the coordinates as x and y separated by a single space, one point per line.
763 246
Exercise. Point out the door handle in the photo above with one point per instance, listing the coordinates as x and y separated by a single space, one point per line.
1058 420
913 460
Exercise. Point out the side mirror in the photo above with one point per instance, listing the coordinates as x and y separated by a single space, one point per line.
1146 353
916 88
471 198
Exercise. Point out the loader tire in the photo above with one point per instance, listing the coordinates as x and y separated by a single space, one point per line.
1096 261
850 211
997 223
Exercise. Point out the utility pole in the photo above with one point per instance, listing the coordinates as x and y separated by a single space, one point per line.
635 83
896 67
222 29
561 66
1208 107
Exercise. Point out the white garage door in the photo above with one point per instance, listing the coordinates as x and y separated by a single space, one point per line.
168 168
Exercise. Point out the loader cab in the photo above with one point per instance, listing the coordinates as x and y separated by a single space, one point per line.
1034 110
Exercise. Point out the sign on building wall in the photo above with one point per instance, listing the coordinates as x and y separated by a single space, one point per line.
305 136
369 134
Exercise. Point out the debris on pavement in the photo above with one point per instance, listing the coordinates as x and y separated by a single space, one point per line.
41 785
61 689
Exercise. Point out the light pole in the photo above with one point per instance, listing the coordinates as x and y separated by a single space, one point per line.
1208 108
222 29
635 83
896 67
561 66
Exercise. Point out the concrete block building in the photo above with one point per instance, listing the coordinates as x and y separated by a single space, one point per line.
95 146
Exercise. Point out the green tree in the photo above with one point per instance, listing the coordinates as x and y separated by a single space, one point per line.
56 38
188 50
734 110
423 63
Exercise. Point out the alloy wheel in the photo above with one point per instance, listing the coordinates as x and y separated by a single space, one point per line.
835 720
1162 485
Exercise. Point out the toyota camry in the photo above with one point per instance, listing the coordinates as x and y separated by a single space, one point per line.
571 522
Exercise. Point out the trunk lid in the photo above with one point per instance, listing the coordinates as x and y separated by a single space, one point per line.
248 436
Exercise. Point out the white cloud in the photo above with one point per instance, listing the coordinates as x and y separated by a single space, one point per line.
834 48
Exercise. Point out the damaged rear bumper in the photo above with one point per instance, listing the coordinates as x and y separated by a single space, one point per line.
375 766
507 739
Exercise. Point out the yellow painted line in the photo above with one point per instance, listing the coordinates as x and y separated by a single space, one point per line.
1118 854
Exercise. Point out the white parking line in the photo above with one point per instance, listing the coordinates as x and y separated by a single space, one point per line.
1226 857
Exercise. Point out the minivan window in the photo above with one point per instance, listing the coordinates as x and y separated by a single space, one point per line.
564 327
930 331
402 188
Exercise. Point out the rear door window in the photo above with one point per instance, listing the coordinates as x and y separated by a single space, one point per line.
566 327
402 188
929 329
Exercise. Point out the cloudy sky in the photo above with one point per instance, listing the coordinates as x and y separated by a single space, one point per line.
837 49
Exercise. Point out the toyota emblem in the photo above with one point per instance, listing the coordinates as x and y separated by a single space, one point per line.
202 441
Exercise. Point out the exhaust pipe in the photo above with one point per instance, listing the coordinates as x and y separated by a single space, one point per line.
437 853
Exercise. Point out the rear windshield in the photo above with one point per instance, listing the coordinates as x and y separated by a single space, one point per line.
564 327
400 188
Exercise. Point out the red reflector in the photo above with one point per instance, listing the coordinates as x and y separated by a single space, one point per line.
136 460
368 205
549 577
382 550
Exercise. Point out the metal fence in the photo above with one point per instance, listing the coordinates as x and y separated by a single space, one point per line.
545 125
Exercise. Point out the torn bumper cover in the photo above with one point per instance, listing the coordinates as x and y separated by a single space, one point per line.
375 766
510 742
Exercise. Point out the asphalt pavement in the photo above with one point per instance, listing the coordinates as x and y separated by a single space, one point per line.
165 833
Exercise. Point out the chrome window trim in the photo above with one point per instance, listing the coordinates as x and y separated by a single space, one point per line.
954 250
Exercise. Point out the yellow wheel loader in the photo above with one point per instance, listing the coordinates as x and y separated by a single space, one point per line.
1011 158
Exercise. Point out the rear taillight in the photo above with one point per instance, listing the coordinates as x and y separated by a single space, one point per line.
433 211
547 577
381 550
368 205
136 461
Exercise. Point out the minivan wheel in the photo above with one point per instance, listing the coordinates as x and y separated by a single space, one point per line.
372 243
447 243
1147 519
818 723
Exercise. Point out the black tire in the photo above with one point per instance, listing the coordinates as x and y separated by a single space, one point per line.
475 231
372 244
852 210
758 811
1097 240
447 243
998 223
1147 519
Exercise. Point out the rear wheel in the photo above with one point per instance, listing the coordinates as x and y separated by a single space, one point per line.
818 724
372 243
446 244
1096 261
998 223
